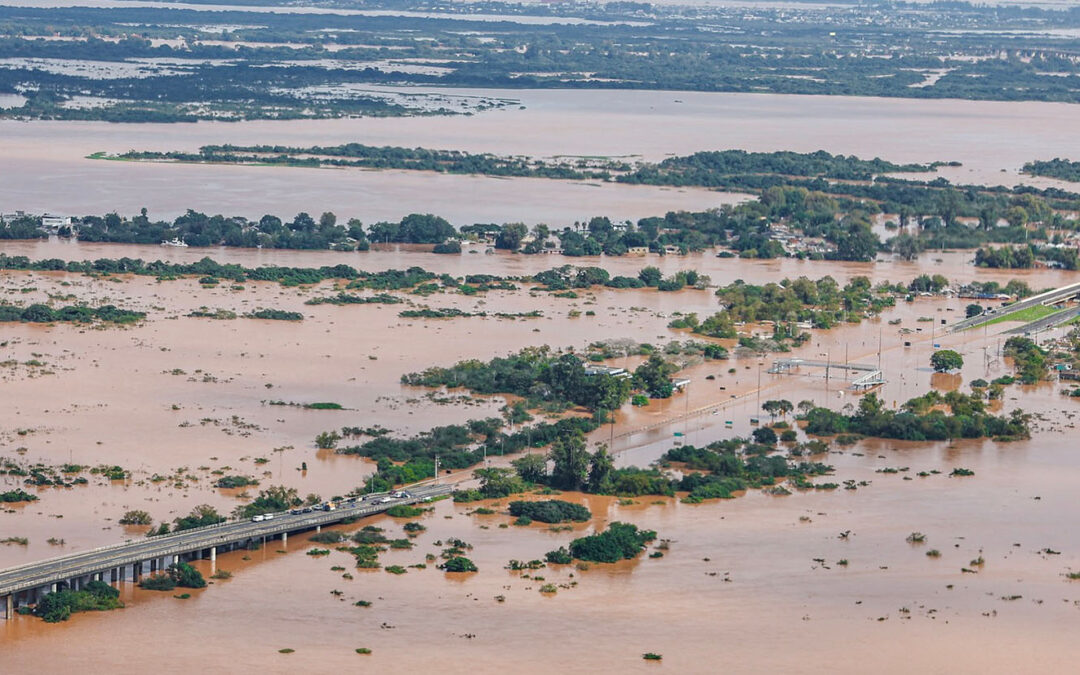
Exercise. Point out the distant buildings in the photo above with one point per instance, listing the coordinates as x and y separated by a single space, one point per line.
591 369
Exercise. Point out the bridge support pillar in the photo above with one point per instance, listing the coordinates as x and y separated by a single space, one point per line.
176 560
213 554
9 609
318 528
284 539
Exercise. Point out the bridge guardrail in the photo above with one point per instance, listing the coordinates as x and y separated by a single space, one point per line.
178 543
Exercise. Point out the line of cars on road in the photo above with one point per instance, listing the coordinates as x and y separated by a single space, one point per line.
333 505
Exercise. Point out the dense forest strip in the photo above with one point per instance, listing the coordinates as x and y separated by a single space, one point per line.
810 205
702 169
847 178
1062 169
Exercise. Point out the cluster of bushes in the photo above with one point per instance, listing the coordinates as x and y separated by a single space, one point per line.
1024 257
728 472
136 517
822 303
200 516
454 313
1062 169
273 499
575 468
495 483
537 374
208 268
352 299
229 482
17 495
274 314
991 289
458 447
1029 358
180 575
96 596
621 541
567 277
39 313
458 564
550 511
918 420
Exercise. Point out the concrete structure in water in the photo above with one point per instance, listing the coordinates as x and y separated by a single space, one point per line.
129 561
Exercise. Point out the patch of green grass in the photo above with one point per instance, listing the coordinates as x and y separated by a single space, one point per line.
1033 313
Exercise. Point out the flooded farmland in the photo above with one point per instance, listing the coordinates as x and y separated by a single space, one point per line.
992 140
740 580
747 584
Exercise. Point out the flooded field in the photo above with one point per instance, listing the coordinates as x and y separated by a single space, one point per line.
755 580
749 584
991 139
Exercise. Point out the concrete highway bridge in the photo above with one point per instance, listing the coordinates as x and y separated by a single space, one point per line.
128 561
1049 298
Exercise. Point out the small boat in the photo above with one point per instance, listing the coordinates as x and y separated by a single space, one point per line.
176 241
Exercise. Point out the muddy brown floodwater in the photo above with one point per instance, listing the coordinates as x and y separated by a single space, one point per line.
739 588
747 585
991 139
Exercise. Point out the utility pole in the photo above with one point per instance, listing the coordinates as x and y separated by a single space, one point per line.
436 469
828 362
879 348
686 415
759 387
611 443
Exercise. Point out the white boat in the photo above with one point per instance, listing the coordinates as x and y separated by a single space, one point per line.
176 241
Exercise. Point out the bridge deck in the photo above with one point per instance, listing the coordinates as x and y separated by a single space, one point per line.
1051 297
781 365
74 565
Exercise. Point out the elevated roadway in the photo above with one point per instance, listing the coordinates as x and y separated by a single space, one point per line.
27 583
1054 297
1051 321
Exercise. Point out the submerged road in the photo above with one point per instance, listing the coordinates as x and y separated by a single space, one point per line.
74 566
